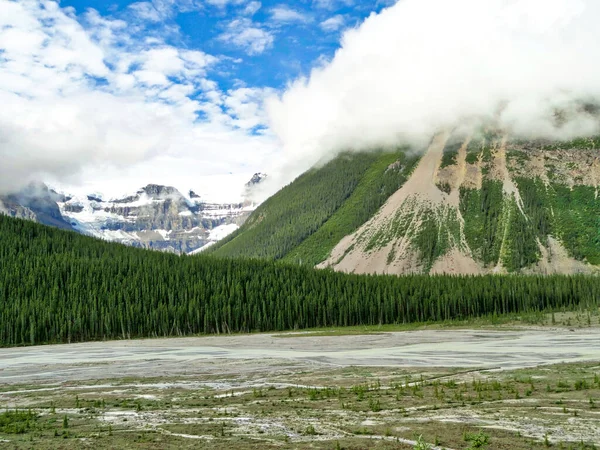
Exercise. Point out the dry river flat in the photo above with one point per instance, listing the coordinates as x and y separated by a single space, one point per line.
506 349
518 387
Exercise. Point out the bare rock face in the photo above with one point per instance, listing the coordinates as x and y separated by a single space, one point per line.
16 210
251 188
256 178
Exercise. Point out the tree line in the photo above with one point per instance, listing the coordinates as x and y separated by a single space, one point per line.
58 286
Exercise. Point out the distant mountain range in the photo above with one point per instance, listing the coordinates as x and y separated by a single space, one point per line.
469 204
156 217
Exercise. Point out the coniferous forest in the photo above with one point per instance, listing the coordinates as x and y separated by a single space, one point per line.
302 222
58 286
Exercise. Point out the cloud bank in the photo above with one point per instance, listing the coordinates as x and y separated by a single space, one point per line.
421 65
81 93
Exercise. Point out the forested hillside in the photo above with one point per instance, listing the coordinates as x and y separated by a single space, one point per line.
384 177
58 286
332 200
473 203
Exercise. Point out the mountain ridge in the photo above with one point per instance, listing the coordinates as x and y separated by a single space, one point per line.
295 213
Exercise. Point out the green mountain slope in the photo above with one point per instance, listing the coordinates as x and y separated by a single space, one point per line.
555 202
490 206
332 200
59 286
382 179
471 205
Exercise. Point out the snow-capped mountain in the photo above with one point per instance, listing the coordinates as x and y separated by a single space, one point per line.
157 217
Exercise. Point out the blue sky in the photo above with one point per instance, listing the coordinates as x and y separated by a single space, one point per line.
298 35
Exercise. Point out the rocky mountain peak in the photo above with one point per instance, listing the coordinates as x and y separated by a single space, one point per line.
94 198
156 216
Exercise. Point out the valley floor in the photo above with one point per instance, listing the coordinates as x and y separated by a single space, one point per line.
521 386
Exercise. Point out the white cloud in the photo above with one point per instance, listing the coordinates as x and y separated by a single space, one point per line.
252 8
245 106
285 14
245 34
333 23
160 10
81 96
421 65
88 100
325 4
334 4
222 4
146 11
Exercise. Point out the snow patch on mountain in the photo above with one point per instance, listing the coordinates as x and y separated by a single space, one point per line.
155 216
215 235
221 232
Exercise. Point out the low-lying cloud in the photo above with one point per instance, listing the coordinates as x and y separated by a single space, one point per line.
422 65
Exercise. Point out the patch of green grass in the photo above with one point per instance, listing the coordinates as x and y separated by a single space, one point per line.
484 214
520 157
490 321
439 230
472 157
588 143
345 407
520 248
444 187
399 227
576 220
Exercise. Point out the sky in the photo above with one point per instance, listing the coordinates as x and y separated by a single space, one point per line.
107 96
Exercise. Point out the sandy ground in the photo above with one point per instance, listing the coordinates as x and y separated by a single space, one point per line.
237 354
